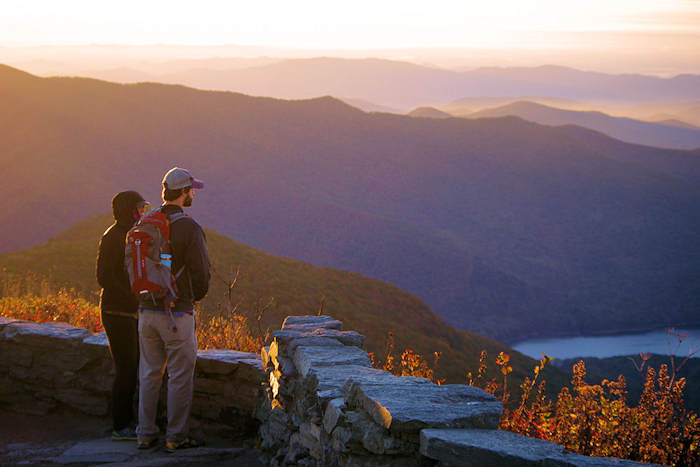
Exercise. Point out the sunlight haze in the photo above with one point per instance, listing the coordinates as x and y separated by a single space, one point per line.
322 24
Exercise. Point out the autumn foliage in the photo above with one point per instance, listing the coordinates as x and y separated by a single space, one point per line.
596 419
590 419
69 307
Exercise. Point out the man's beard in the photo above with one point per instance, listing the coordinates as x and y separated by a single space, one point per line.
188 201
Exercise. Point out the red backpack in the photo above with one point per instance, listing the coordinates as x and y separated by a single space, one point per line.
147 257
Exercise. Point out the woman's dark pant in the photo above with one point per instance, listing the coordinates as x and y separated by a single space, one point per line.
123 334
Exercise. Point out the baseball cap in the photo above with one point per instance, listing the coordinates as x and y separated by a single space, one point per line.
177 178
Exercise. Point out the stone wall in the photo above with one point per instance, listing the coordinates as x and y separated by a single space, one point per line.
326 405
56 367
314 397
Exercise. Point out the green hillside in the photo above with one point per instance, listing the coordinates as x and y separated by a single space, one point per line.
369 306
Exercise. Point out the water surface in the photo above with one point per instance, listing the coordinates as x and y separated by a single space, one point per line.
658 341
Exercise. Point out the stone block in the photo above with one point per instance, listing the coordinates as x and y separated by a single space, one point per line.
306 358
341 439
83 401
32 375
405 405
45 335
215 386
99 340
296 450
96 346
278 423
355 460
23 402
334 414
311 340
310 437
224 362
59 359
98 377
15 396
283 338
5 321
376 439
322 321
245 398
495 447
15 355
344 337
328 381
285 366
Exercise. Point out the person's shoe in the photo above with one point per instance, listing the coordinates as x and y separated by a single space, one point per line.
125 434
187 442
146 444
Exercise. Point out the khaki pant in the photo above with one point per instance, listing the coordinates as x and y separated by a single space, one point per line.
160 347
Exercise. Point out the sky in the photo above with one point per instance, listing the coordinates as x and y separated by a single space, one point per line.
361 24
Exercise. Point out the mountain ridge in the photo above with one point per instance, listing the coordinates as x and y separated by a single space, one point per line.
625 129
405 85
489 221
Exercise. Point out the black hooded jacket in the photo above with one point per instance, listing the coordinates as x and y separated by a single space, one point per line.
112 276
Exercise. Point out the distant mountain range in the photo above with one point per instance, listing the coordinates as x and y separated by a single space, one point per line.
404 86
428 112
626 129
685 114
504 227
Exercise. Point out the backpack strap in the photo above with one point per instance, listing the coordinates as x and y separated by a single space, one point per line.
172 218
176 216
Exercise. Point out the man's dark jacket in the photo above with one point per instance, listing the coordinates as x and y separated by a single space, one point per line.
189 248
112 276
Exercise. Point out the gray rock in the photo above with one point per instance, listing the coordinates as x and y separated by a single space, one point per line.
99 340
21 355
345 337
322 321
5 321
213 386
286 366
283 337
96 347
341 439
296 450
278 416
311 340
408 406
328 381
96 452
44 335
334 414
250 371
14 395
495 447
225 362
310 437
306 358
83 401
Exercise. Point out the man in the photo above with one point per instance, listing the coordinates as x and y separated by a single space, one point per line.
167 334
119 316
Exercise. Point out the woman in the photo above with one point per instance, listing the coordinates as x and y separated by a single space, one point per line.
119 311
